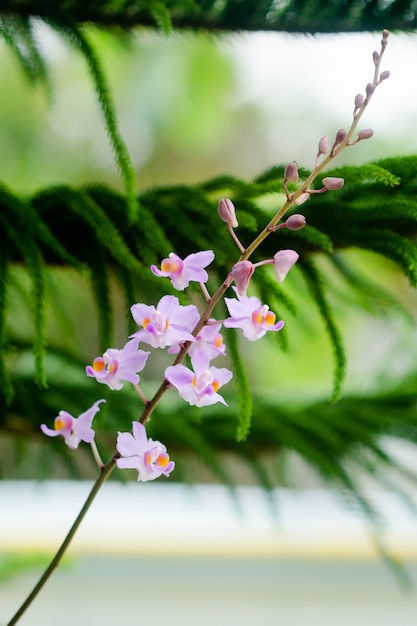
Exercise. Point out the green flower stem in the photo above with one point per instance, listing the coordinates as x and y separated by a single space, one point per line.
105 472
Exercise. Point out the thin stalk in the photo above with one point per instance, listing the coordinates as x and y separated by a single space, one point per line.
104 474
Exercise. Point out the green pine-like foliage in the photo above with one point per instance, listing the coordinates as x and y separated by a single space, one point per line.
105 237
303 16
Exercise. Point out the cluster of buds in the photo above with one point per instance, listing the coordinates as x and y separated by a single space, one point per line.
329 183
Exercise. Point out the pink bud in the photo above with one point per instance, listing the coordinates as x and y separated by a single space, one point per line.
375 56
291 172
384 75
295 222
358 101
324 145
242 272
332 184
370 88
283 262
340 136
366 133
227 212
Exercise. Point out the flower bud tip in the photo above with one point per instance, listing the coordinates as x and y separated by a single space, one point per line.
295 221
227 212
332 183
291 172
366 133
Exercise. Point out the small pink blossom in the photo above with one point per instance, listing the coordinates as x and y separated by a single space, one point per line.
148 457
199 387
209 340
283 262
117 365
74 429
168 324
255 319
181 272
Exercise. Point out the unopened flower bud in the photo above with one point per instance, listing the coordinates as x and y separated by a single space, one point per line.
332 184
370 88
358 101
291 172
366 133
385 35
324 145
242 272
295 221
340 136
384 75
227 212
283 262
375 56
302 198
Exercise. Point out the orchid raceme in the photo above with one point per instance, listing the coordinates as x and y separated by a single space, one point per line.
117 365
247 313
181 272
199 387
168 324
74 429
148 457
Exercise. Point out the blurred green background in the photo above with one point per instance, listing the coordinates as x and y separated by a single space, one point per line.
194 106
191 107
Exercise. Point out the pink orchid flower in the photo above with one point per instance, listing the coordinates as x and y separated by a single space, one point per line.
74 429
181 272
209 340
199 387
167 324
117 365
255 319
148 457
